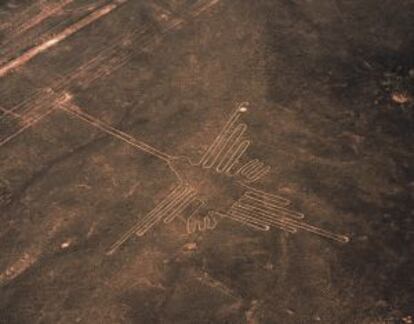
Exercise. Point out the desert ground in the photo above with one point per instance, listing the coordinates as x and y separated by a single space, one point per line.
157 158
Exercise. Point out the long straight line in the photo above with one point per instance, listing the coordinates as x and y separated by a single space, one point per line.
52 41
77 112
138 225
9 112
29 124
45 13
209 154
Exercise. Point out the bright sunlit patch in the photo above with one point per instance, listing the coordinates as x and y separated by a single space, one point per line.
66 244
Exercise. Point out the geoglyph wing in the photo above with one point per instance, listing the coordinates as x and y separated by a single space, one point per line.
227 149
166 210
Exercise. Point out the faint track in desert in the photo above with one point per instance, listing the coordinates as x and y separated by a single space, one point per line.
38 29
56 39
106 61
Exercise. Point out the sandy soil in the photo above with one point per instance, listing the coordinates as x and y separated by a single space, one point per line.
330 87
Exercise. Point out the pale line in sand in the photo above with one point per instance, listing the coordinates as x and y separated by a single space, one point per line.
17 18
267 207
211 155
117 61
44 100
174 203
22 41
228 147
77 112
45 12
26 126
255 208
31 53
95 15
11 113
282 219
